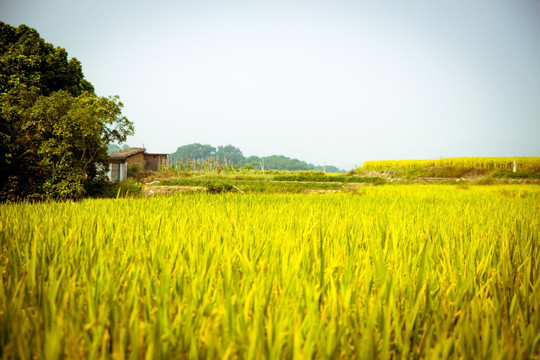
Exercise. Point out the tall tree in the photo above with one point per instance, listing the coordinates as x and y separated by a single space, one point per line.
54 129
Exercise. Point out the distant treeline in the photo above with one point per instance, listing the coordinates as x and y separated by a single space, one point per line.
112 148
232 155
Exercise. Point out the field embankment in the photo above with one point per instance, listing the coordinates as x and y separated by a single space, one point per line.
483 170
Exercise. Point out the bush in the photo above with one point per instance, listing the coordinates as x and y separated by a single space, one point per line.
133 170
125 188
96 188
379 181
516 175
218 187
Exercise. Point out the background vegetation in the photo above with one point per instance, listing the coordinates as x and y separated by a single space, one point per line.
230 155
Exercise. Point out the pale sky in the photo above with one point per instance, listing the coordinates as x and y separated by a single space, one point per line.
335 82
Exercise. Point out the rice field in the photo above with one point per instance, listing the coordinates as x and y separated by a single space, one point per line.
523 163
417 271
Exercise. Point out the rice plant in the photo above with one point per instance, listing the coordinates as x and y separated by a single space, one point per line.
419 271
487 163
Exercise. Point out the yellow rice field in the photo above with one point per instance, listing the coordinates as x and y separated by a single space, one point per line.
417 271
488 163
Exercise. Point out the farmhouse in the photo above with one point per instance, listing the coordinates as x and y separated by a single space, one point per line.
121 160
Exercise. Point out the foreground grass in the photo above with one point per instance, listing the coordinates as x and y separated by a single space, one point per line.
392 271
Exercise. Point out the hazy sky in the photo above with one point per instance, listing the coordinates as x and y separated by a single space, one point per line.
323 81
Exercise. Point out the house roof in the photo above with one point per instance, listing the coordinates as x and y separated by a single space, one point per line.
124 154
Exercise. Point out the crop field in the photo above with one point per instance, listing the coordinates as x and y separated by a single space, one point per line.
489 163
403 271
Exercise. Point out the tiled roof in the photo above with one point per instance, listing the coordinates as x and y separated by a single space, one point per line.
124 154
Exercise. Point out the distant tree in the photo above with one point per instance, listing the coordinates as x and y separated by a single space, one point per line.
329 169
280 162
234 156
230 154
254 161
112 148
193 151
54 129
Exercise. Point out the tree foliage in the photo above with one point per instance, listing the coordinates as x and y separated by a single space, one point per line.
233 155
26 59
194 151
230 154
54 129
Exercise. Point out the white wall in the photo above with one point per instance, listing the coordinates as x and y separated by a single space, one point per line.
117 172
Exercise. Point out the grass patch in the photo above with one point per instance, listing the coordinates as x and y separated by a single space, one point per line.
326 178
217 186
125 188
515 175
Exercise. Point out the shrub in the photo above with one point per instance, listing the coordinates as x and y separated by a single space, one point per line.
516 175
218 187
133 170
96 188
125 188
